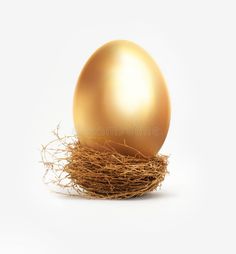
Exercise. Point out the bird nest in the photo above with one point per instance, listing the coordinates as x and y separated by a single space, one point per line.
83 171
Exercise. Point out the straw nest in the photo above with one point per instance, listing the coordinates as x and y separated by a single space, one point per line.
83 171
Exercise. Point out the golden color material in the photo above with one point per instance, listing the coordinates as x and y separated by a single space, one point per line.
121 97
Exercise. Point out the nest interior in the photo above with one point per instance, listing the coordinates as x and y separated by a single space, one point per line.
107 174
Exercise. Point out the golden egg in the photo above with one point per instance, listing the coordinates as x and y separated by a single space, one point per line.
121 98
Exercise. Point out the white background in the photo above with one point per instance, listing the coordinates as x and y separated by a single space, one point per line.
43 46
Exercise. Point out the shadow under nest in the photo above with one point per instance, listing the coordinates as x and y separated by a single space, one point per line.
83 171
